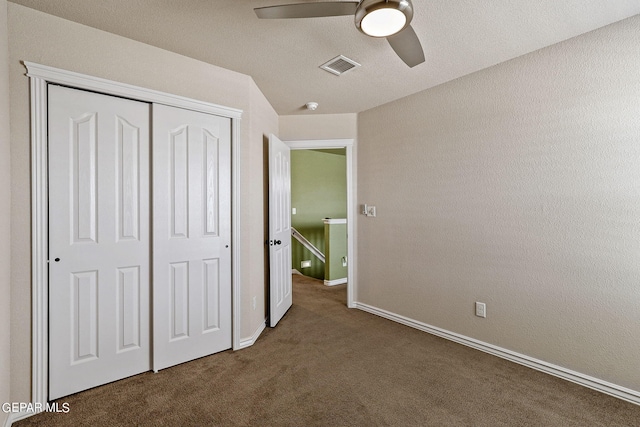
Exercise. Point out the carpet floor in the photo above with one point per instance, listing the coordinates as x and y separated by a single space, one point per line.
326 365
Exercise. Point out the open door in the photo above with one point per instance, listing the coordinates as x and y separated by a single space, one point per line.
280 295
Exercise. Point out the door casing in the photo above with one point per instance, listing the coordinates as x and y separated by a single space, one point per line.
39 78
349 146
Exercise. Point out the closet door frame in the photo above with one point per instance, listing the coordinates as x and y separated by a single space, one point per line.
40 76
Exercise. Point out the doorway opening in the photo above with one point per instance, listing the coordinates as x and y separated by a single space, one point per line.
322 210
319 214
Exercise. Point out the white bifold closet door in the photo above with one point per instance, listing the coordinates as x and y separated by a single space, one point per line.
191 235
98 239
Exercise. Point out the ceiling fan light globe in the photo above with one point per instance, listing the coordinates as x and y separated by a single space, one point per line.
383 18
383 22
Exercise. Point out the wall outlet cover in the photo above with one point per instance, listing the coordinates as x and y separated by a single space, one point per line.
305 264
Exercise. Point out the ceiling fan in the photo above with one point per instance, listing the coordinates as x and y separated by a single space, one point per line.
375 18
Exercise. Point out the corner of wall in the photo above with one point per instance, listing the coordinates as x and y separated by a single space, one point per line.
263 120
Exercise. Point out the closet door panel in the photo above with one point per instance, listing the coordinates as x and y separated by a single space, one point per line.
192 235
98 239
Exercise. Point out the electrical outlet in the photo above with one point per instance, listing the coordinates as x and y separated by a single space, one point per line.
481 309
305 264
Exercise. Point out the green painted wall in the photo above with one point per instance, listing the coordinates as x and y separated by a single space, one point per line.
299 253
318 191
335 238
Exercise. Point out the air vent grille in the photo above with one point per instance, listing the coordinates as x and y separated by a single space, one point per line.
339 65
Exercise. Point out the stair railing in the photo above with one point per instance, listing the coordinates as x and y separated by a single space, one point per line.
307 244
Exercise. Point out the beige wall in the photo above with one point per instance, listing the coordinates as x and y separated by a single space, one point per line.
5 214
517 186
318 126
41 38
264 121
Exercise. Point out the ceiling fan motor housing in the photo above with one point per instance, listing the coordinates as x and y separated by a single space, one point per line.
367 6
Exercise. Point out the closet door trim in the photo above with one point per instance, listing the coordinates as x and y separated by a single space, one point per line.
39 77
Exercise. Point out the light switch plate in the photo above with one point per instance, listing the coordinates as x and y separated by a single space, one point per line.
481 309
368 210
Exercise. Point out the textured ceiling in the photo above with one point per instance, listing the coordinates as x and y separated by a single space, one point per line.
459 37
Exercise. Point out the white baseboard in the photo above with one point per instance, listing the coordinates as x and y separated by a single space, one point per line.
615 390
248 342
14 417
335 282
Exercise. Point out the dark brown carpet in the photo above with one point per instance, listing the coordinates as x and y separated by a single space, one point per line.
326 365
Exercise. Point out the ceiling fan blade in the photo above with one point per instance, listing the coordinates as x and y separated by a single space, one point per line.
307 10
407 45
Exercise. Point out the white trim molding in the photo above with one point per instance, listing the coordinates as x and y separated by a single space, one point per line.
236 271
332 221
248 342
97 84
39 242
319 144
335 282
40 76
14 417
349 146
614 390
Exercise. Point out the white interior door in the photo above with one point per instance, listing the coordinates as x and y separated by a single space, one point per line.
191 236
99 239
280 295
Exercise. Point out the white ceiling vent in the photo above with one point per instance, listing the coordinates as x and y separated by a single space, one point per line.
339 65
